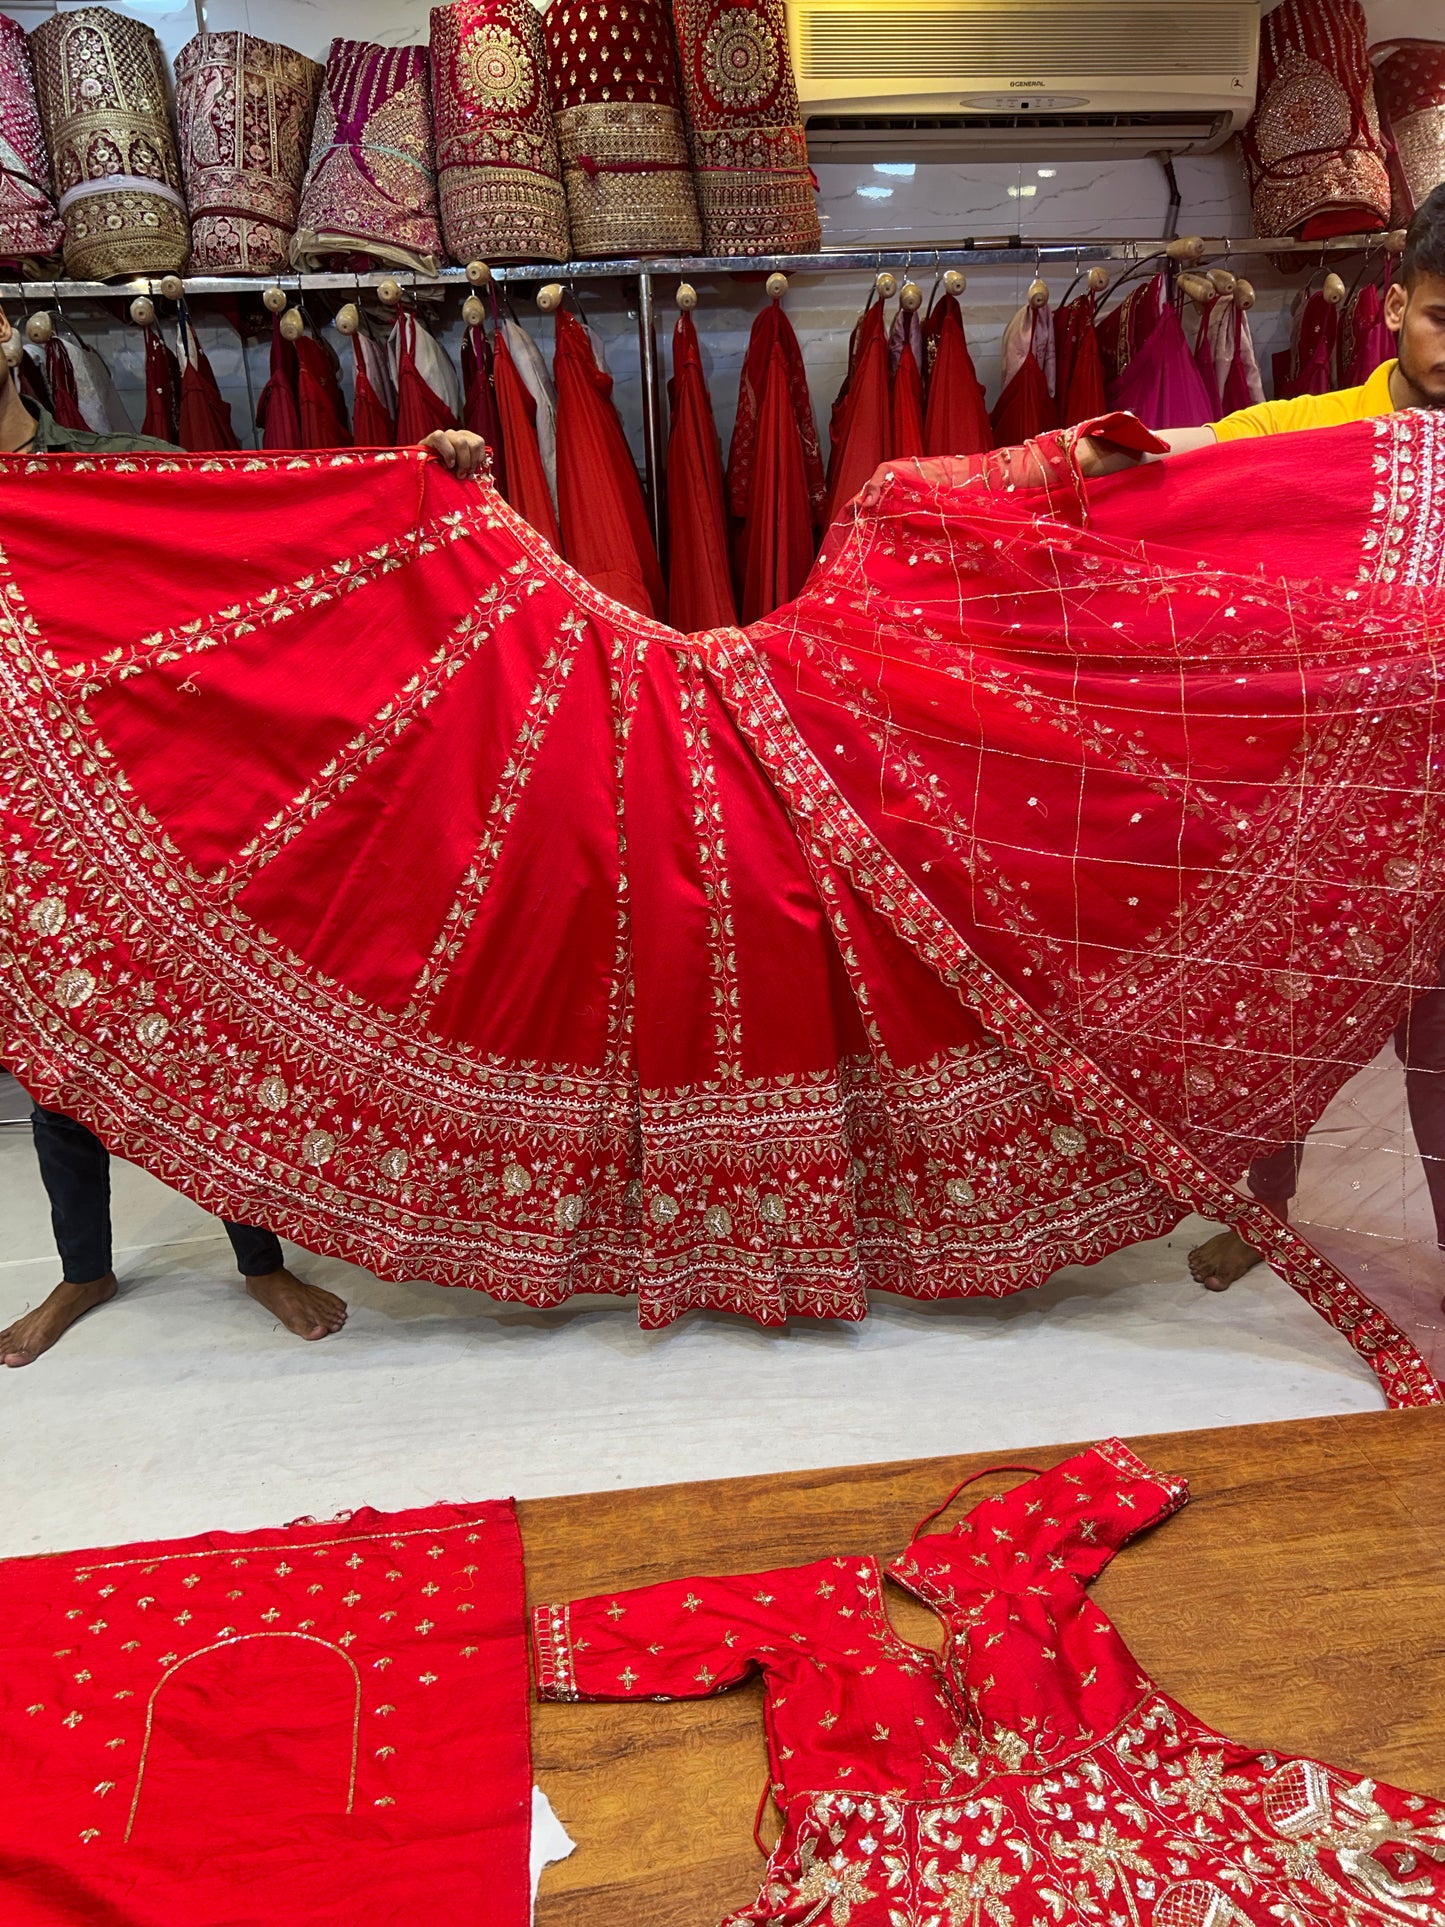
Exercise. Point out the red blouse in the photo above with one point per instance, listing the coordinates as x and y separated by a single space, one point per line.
1031 1771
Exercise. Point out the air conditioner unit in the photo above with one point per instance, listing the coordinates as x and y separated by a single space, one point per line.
1009 79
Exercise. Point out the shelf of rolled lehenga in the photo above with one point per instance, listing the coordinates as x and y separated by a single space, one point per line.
1003 251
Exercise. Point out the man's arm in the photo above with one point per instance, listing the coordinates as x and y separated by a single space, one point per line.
1098 457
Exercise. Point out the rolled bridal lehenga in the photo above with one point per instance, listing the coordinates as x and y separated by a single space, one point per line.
370 876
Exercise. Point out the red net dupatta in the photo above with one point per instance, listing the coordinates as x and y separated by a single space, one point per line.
700 587
399 974
600 505
754 185
775 484
371 184
245 109
1312 150
499 174
955 420
612 67
346 1702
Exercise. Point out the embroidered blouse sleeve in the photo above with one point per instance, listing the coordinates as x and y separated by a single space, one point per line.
1072 1519
683 1639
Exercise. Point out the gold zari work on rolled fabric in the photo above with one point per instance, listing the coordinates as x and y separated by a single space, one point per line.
101 82
499 176
245 109
629 180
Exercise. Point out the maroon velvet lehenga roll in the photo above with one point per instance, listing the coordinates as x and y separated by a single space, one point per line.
245 109
29 224
1410 90
101 82
612 68
1312 151
754 186
499 177
371 187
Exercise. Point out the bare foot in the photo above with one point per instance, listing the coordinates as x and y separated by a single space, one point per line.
38 1330
306 1310
1222 1261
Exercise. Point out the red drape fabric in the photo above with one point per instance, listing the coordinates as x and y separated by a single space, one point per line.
479 411
906 352
318 393
1308 367
525 481
1080 361
278 409
911 844
60 379
862 432
955 421
372 423
699 586
420 410
163 390
772 329
775 471
323 1723
1162 383
1025 408
600 505
1364 340
205 422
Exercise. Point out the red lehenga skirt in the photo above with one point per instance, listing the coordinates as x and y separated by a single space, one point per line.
371 876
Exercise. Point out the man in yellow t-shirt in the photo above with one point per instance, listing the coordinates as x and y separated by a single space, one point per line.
1415 314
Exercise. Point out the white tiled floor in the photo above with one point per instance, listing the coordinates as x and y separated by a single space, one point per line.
180 1407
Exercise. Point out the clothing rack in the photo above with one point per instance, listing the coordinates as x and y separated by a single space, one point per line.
1005 251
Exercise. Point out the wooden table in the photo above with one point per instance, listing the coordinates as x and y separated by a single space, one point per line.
1297 1602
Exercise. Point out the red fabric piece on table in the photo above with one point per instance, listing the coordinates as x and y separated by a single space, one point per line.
318 392
525 481
600 504
479 406
955 420
1050 1683
862 429
163 390
60 378
1080 362
428 831
700 581
420 410
278 410
372 423
312 1726
206 423
1162 384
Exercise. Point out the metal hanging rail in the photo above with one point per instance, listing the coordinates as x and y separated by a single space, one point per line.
1004 251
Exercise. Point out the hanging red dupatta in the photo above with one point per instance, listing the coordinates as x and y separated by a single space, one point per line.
699 584
775 483
524 481
981 865
861 432
318 392
955 420
600 505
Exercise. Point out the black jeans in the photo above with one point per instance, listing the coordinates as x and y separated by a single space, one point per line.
75 1170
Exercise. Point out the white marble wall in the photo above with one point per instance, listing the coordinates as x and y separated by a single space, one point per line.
895 205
